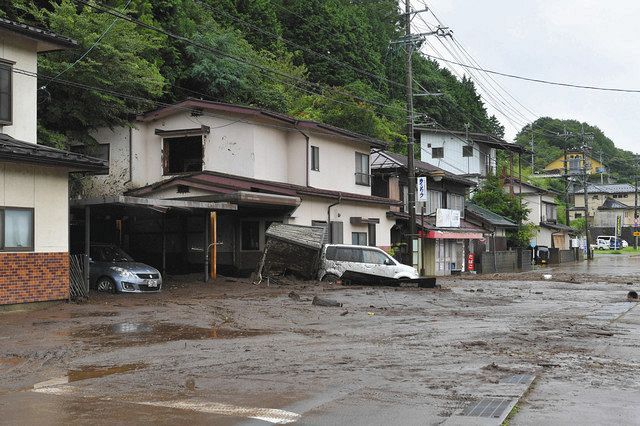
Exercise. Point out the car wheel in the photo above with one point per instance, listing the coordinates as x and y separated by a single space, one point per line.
330 278
106 284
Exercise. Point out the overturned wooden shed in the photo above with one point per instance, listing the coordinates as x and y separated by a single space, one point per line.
291 249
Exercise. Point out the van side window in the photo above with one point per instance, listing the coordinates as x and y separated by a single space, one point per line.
345 254
375 257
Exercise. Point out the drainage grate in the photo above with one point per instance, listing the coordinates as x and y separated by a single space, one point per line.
522 379
487 407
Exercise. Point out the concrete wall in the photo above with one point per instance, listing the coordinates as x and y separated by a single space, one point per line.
46 191
314 208
505 261
23 52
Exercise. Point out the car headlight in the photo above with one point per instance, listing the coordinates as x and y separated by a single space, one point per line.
122 272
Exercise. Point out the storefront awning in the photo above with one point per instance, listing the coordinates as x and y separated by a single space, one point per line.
452 235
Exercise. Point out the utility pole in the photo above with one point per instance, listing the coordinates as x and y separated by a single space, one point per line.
585 181
532 159
410 136
635 207
566 185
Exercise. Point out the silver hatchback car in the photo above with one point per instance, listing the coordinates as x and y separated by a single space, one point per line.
113 270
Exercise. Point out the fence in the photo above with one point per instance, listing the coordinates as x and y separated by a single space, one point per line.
78 289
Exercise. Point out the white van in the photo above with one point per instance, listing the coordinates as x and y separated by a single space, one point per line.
336 259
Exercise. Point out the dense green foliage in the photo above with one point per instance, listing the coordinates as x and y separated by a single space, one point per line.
549 145
328 60
492 196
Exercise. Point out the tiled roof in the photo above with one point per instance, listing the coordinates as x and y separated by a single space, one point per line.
224 183
220 107
401 160
57 41
13 150
614 188
483 138
488 216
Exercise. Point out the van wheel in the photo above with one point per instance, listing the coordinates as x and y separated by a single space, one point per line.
330 278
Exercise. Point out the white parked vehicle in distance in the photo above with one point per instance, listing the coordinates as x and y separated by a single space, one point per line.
601 244
336 259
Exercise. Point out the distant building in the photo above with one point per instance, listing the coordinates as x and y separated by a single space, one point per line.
623 193
575 164
543 214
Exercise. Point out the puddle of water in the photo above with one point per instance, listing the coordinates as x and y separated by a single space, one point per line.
124 334
93 371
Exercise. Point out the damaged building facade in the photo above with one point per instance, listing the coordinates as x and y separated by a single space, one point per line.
273 167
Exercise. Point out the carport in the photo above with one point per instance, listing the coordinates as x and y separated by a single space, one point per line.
174 236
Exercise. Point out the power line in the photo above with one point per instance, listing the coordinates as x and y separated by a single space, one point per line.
95 43
537 80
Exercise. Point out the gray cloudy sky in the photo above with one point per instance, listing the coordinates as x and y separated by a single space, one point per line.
577 41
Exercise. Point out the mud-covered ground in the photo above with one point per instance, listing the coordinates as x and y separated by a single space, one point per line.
231 352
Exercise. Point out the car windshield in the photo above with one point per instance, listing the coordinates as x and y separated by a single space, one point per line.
109 254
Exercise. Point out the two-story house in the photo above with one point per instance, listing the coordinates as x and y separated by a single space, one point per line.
574 163
598 196
441 247
543 213
34 179
472 155
274 167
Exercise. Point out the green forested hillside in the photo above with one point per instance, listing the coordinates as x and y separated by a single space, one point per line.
327 60
549 145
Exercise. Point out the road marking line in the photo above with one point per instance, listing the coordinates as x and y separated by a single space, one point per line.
271 415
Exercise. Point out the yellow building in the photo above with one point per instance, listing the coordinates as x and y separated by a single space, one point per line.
574 164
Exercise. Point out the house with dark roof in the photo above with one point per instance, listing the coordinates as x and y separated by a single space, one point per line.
496 226
34 178
469 154
273 167
442 246
598 194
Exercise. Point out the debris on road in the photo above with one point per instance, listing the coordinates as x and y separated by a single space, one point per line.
319 301
632 295
294 296
344 313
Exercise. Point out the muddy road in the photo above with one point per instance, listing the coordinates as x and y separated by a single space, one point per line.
234 353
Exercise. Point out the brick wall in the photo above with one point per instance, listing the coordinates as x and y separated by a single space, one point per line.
33 277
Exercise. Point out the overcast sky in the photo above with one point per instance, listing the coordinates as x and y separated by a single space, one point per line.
577 41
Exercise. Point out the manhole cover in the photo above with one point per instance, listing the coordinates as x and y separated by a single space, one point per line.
487 407
523 379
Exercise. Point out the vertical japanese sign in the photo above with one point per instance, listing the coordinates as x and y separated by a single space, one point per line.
422 189
618 226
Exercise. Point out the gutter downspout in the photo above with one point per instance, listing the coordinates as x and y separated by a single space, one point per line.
329 216
307 150
130 157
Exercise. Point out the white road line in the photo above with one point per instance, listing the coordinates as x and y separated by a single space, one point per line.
271 415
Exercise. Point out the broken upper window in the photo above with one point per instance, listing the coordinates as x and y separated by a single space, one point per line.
180 155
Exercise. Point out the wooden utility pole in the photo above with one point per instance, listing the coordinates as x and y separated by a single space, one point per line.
635 208
566 185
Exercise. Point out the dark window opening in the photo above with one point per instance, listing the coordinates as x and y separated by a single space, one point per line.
467 151
372 234
437 152
182 155
315 158
250 231
359 238
6 89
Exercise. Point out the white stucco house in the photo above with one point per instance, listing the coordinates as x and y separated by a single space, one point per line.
275 168
34 190
543 214
472 155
